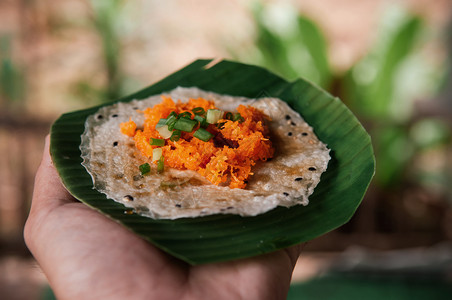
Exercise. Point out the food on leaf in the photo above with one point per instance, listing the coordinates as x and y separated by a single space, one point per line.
207 154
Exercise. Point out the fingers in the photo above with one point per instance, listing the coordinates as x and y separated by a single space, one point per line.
48 194
293 253
261 277
48 191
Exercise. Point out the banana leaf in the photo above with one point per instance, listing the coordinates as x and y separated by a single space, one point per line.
218 238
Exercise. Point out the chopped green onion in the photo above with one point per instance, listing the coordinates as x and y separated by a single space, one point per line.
198 111
171 121
173 113
161 122
185 114
202 121
228 116
203 134
238 117
156 154
175 136
213 115
160 165
185 124
145 168
157 142
220 125
164 132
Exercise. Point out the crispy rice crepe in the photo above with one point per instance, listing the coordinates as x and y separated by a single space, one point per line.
286 180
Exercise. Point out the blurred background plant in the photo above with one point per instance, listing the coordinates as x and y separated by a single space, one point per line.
65 55
105 20
12 80
382 88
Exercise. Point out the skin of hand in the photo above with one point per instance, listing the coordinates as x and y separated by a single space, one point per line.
86 255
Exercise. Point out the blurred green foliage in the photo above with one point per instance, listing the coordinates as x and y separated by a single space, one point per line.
297 51
105 21
12 79
381 88
105 18
373 96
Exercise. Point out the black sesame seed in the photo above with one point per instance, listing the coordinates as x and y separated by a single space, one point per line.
118 176
135 108
289 133
178 205
298 179
100 117
128 198
293 123
114 116
115 144
286 194
230 207
287 117
312 169
304 134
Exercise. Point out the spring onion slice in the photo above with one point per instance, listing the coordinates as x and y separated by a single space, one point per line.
161 122
213 115
164 132
202 121
175 136
185 124
203 135
171 121
156 154
185 114
238 117
157 142
160 165
199 111
145 168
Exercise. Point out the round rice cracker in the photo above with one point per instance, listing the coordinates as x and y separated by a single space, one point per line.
288 179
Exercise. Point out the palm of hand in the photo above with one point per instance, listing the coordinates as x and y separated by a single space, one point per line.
88 256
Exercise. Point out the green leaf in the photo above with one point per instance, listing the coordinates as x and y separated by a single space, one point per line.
226 237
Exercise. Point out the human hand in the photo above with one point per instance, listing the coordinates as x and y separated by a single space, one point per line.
85 255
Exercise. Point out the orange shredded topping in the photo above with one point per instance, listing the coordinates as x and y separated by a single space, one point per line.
128 128
220 164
